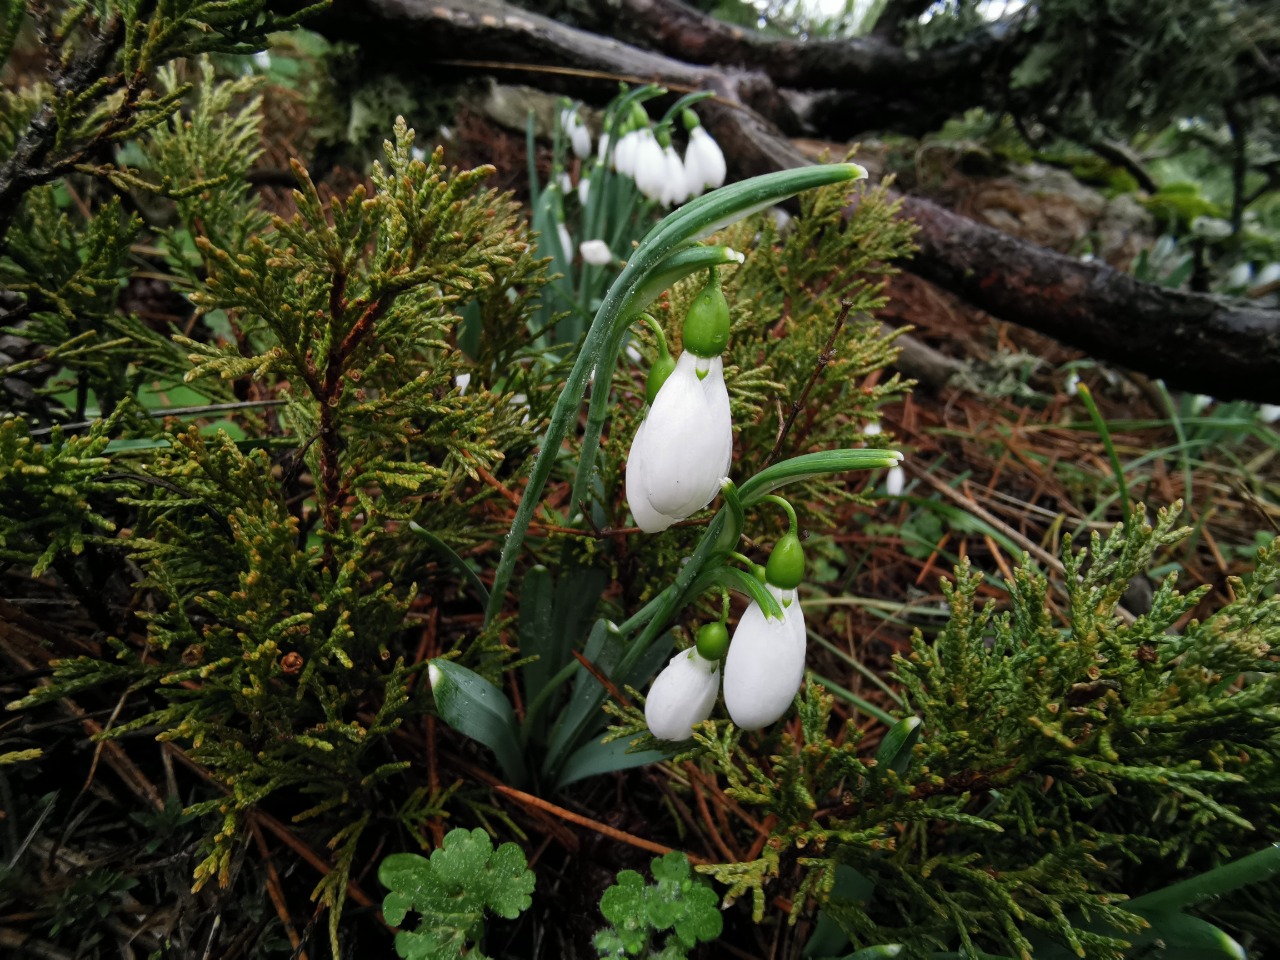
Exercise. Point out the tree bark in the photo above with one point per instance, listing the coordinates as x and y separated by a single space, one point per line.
1193 341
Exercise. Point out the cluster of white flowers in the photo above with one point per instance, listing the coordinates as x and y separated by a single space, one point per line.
644 154
762 672
679 460
649 158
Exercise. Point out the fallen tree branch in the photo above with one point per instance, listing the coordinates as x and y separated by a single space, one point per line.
1194 342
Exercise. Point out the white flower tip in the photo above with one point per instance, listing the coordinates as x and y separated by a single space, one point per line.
895 480
433 675
731 254
1269 412
596 252
872 428
463 380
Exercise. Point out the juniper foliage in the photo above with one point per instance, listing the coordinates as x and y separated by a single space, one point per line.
1057 760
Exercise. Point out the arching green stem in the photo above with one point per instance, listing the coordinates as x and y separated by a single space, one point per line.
699 217
792 526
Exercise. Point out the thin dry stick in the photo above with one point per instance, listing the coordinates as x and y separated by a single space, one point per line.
824 358
612 833
277 828
275 893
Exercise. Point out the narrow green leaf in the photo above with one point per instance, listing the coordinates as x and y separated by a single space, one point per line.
597 757
895 749
1255 868
473 706
813 465
1180 937
450 556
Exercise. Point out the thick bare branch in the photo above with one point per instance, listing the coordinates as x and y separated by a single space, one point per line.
1194 341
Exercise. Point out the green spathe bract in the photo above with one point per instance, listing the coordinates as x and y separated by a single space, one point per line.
706 325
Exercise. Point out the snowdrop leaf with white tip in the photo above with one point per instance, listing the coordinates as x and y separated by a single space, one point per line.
895 749
813 465
473 706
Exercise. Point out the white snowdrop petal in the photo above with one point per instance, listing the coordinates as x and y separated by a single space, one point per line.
710 158
717 395
894 481
650 165
680 474
683 694
596 252
764 667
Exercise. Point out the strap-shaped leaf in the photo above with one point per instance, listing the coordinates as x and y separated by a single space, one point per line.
895 749
597 757
473 706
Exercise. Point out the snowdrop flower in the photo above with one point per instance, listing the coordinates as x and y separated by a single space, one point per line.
584 190
566 241
564 182
577 132
595 252
872 428
1072 385
1267 275
1268 412
624 154
703 161
1240 275
684 446
649 165
1200 403
765 665
675 188
894 481
683 694
262 59
463 380
1211 228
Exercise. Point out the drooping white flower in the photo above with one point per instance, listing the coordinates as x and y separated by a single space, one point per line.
1072 385
649 165
683 447
872 428
704 161
596 252
566 241
1268 412
584 190
1267 275
462 380
262 60
765 665
675 187
564 182
577 132
683 694
1240 275
894 481
624 154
